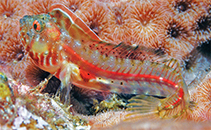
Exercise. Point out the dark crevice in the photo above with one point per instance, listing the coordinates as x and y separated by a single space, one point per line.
82 99
205 49
35 75
195 54
52 86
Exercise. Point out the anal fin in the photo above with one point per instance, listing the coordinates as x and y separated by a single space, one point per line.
142 106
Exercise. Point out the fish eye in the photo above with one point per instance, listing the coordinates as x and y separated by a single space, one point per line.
37 26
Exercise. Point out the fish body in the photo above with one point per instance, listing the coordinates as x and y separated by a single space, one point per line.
62 44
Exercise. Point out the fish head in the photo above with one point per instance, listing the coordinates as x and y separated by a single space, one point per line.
39 33
42 39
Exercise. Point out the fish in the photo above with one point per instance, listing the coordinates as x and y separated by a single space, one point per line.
62 44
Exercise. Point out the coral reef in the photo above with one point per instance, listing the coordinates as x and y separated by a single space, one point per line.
179 28
202 96
148 21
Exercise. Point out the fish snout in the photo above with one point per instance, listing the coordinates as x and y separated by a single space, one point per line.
25 20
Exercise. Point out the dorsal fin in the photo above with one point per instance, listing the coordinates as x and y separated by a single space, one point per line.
125 51
71 22
172 63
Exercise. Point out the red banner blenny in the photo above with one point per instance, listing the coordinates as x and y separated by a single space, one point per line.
62 44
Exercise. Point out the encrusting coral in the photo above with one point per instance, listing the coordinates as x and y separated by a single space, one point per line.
148 21
202 25
180 28
118 24
202 96
11 11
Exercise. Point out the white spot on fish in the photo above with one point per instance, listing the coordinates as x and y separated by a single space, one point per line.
161 78
50 61
60 48
46 53
102 80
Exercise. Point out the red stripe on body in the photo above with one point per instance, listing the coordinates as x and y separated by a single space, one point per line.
34 57
75 58
41 59
54 58
180 98
48 59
